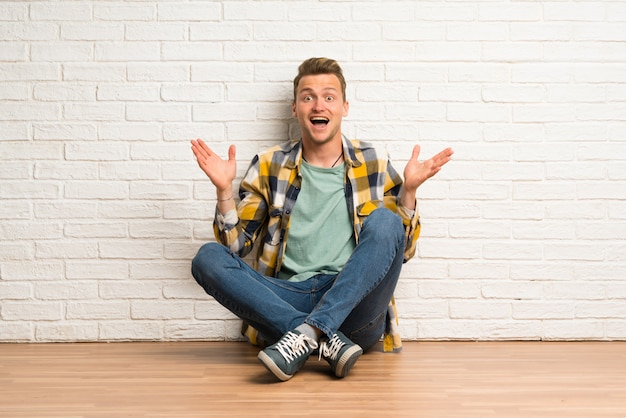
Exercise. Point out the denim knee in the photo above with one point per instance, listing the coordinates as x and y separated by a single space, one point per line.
202 264
385 224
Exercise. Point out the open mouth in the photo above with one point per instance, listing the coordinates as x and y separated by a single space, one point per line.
319 121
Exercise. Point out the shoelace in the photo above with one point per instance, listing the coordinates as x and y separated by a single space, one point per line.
331 348
293 345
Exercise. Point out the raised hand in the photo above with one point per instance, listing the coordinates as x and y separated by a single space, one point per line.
417 172
220 172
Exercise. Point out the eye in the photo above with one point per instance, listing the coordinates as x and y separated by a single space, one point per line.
307 98
329 98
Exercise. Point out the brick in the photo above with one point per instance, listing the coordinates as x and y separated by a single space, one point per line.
272 10
14 92
155 32
157 112
31 111
565 330
196 51
192 93
219 31
161 310
85 229
82 331
94 112
62 52
32 311
512 290
478 270
94 72
542 310
15 291
119 209
124 12
532 31
354 32
30 230
448 289
544 230
465 309
14 52
64 131
27 31
97 270
379 52
183 290
158 72
194 11
447 51
66 250
129 250
126 51
92 190
480 191
98 310
15 171
461 112
510 12
164 270
204 331
13 12
129 290
130 331
10 250
552 271
62 209
509 250
600 310
16 331
101 151
221 72
32 270
60 11
128 171
129 132
223 112
163 229
210 310
66 291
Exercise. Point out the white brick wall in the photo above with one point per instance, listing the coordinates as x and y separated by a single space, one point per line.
102 205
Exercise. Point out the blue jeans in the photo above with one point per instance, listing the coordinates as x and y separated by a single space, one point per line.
354 301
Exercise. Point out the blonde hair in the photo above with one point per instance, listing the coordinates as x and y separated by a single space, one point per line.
315 66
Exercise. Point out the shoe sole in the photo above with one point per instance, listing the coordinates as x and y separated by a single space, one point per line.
272 367
347 360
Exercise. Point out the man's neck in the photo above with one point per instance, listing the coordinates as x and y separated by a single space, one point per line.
325 155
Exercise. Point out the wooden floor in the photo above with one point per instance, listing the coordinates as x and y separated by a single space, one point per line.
204 379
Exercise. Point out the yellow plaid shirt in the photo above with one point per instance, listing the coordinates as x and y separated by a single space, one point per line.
268 193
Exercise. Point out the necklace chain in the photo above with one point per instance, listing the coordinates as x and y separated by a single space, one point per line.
337 160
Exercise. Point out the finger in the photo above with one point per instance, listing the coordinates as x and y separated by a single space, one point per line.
231 153
416 152
204 147
443 156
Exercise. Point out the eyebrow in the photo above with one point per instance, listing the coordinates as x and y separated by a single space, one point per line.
310 90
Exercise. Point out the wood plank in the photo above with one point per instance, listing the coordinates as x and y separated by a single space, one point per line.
200 379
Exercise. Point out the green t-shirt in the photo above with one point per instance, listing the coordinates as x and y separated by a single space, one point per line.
321 236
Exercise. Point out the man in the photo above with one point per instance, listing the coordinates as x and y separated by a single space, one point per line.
335 223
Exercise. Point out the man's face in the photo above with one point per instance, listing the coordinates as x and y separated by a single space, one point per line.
319 107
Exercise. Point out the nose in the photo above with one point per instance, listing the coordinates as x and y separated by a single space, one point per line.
318 104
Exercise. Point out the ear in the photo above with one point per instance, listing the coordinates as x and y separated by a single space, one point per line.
346 107
293 109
